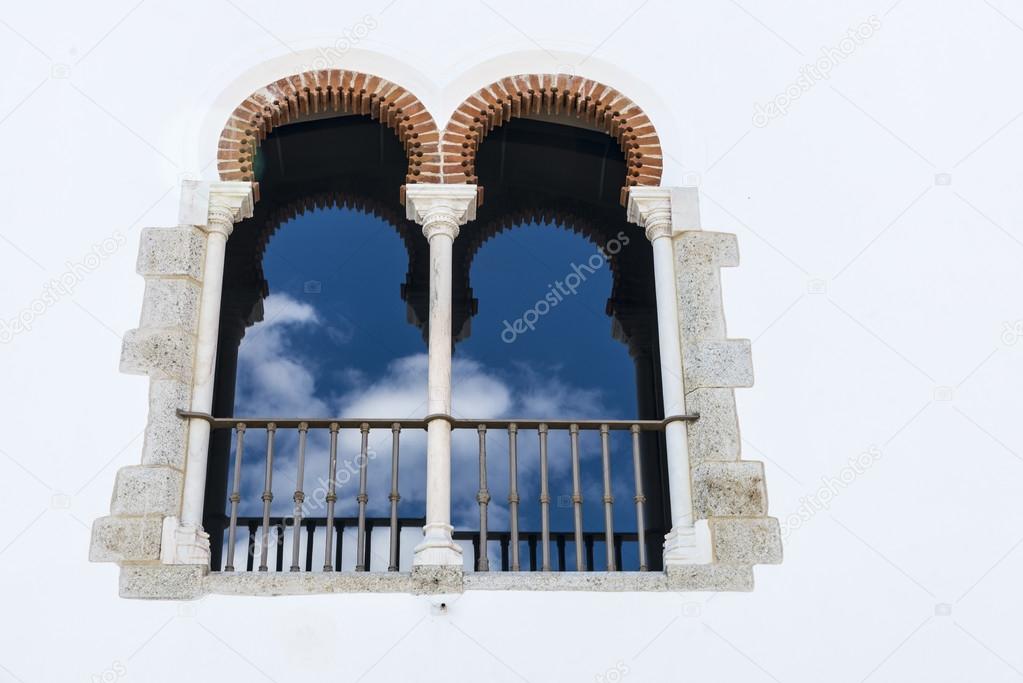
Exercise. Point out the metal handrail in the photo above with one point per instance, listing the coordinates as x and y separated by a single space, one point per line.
422 423
510 426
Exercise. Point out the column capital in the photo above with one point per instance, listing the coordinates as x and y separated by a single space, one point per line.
663 211
440 209
215 206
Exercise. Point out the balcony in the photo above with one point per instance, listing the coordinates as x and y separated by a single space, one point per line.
312 537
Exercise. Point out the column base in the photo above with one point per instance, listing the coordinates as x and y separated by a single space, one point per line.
688 545
438 548
437 580
184 543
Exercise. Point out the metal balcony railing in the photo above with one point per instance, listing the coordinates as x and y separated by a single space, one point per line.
269 531
310 526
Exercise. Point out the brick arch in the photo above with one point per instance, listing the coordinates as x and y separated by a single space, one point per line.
319 94
561 96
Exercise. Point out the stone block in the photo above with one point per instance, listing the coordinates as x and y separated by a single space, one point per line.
604 582
724 363
709 577
701 311
306 583
126 539
729 489
715 436
171 302
432 579
147 490
162 581
160 353
172 251
698 248
746 540
166 438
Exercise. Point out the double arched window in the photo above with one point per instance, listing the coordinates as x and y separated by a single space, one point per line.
482 347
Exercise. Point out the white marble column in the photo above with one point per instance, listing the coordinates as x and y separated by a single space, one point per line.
219 205
440 209
652 209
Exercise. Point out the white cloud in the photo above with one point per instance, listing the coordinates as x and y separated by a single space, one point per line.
276 380
271 378
281 309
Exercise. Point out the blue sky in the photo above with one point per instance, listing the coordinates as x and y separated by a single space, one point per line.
348 266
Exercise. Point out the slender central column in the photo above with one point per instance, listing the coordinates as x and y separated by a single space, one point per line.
440 209
184 541
438 546
651 209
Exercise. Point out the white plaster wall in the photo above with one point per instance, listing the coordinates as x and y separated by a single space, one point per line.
884 311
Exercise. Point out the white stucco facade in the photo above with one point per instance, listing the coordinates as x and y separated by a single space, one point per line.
878 217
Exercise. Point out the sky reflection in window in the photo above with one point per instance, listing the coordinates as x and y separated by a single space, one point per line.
335 341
